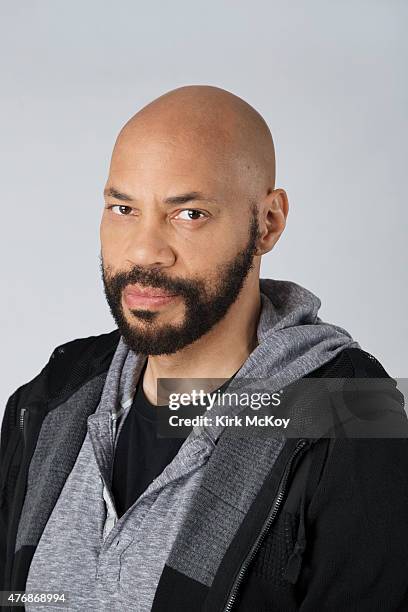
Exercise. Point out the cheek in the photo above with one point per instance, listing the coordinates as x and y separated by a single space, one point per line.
207 256
111 241
108 232
111 259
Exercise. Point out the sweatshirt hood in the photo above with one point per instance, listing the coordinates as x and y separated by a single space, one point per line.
293 339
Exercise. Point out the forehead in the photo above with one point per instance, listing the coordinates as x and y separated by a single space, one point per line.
185 158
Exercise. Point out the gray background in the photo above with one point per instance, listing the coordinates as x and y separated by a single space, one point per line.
329 78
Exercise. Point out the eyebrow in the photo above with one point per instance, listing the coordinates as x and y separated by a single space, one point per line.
118 195
182 198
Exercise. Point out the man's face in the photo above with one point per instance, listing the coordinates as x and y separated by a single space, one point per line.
187 231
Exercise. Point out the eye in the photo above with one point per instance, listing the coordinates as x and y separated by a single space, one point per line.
193 211
120 207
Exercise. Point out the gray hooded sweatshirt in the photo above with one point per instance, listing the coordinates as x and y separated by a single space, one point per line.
101 562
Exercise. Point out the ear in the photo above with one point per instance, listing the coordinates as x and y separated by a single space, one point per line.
273 213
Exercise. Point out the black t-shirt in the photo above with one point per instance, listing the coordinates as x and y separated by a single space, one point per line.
140 456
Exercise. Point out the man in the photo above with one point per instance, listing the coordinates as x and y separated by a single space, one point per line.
96 508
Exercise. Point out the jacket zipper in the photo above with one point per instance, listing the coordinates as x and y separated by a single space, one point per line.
6 463
277 502
22 418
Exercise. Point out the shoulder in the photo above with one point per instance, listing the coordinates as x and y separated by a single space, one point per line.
368 400
91 348
352 362
81 355
75 361
69 366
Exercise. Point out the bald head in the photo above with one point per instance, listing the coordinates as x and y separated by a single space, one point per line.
210 123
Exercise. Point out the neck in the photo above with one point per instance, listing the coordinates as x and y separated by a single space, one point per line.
217 354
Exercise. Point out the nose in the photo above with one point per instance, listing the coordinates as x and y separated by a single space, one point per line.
148 247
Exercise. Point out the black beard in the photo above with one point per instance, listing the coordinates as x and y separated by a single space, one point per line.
201 314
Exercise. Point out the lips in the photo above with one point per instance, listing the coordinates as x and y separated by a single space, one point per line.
146 292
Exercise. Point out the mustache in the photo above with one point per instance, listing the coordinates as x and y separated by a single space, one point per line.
151 278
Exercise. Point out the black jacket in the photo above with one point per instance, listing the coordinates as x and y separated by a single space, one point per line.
327 531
